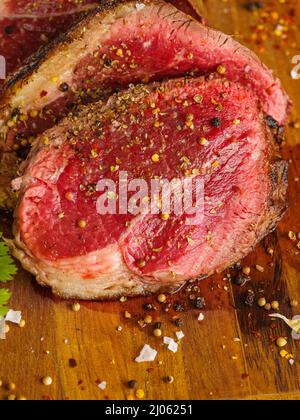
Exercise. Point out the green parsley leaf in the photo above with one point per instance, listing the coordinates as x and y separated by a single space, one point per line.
4 298
7 266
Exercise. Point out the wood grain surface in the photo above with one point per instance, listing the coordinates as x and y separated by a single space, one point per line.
211 363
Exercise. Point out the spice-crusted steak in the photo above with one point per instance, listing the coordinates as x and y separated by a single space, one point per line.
122 43
210 130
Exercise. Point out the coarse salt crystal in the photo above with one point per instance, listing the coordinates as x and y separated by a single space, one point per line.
147 354
291 362
201 317
13 316
173 346
102 385
139 6
179 335
295 74
168 340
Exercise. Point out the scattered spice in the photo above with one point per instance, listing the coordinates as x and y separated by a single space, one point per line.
169 379
72 363
76 307
281 342
157 332
261 302
82 223
140 393
216 122
132 384
275 305
161 298
64 87
47 380
246 271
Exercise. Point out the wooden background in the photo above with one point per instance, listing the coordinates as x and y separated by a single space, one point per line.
209 363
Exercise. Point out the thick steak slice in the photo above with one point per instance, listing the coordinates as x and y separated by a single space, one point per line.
28 24
123 43
206 130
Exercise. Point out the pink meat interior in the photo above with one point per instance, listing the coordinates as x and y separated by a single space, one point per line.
169 122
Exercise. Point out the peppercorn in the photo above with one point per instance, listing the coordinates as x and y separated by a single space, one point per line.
246 271
9 30
76 307
64 87
169 379
157 325
200 303
132 384
157 332
267 306
275 305
178 307
216 122
148 307
81 223
148 319
11 386
241 280
281 342
271 122
22 323
47 380
140 393
261 302
161 298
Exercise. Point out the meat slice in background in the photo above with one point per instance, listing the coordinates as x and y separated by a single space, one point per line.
26 25
208 129
123 43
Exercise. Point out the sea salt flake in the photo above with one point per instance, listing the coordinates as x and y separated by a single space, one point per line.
147 354
168 340
201 317
179 335
13 316
102 385
173 346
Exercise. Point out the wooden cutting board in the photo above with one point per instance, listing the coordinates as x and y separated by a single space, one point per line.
211 362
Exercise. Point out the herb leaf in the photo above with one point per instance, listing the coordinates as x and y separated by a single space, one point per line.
7 266
4 298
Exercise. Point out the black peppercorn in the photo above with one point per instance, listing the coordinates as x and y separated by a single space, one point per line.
216 122
132 384
271 122
178 307
9 30
199 303
148 307
64 87
241 279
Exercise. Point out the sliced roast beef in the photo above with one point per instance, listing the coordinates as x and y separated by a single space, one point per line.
122 43
25 25
206 130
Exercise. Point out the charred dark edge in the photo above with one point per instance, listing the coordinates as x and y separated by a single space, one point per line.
35 60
